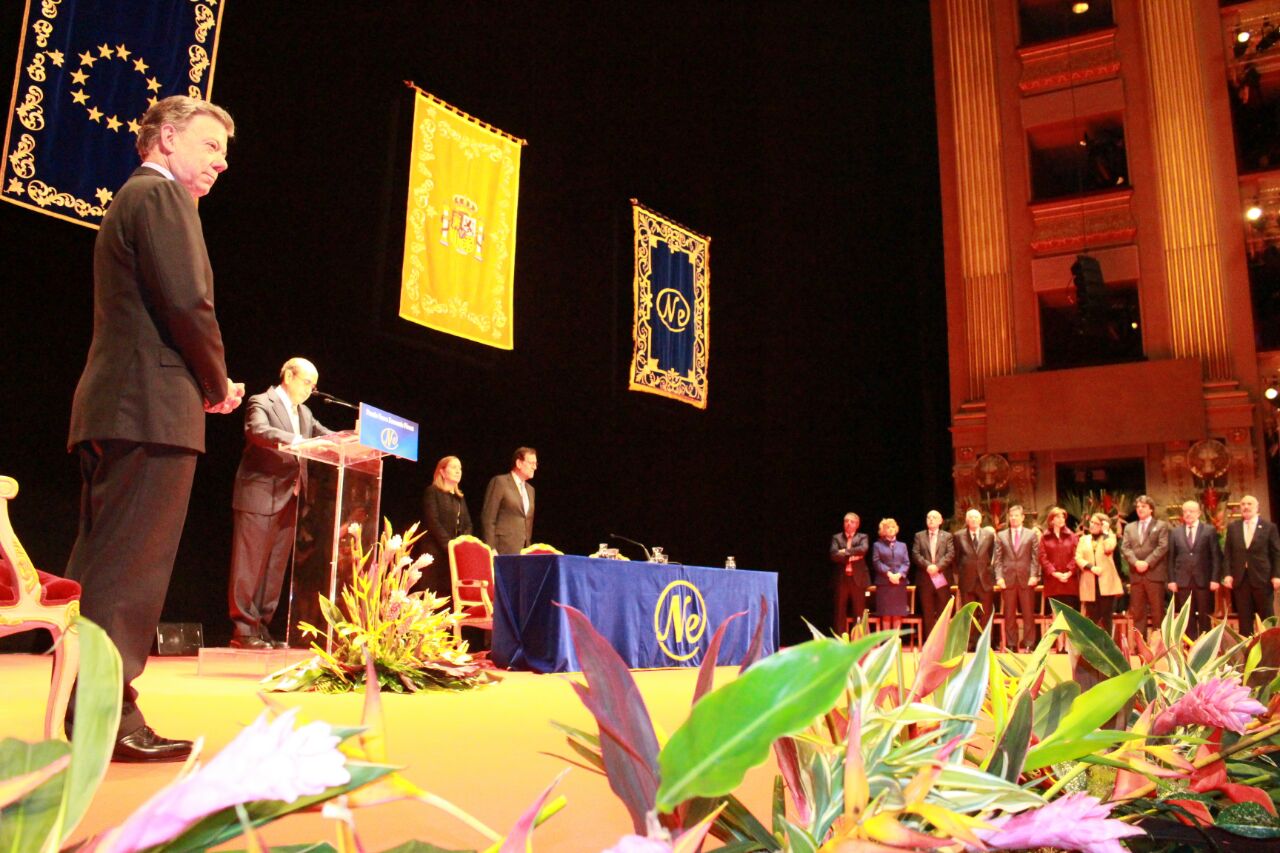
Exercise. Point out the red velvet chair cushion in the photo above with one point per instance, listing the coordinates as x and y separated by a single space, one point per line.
53 589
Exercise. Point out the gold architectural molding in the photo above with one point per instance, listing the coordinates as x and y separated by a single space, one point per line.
1184 185
984 248
1074 225
1069 62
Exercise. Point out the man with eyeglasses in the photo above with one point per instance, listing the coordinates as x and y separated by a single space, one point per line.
265 501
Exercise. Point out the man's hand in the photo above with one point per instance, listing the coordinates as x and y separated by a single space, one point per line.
1213 586
235 395
1140 565
999 583
933 570
1228 582
1275 583
1173 587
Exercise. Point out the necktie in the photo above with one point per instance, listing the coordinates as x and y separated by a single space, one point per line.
1248 532
1191 535
933 545
1017 537
524 497
1142 531
973 537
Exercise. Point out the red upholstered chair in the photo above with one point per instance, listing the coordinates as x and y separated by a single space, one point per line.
540 548
471 573
31 599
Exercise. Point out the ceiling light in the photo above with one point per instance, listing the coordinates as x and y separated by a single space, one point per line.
1253 213
1080 8
1243 36
1272 391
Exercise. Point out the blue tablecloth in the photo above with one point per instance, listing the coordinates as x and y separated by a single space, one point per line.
655 616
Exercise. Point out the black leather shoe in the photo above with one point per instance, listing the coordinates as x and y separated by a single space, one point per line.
144 744
257 644
271 642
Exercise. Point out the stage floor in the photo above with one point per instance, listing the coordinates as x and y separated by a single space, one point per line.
483 750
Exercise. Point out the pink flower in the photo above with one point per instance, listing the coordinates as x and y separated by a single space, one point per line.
1073 822
1216 702
266 761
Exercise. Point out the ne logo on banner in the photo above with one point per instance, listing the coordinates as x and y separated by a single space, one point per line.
679 617
673 309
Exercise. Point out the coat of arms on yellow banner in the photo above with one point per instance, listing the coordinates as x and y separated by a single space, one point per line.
460 225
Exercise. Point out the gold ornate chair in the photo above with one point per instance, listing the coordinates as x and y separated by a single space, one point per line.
31 599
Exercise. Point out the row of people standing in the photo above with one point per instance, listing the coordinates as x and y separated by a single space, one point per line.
1078 569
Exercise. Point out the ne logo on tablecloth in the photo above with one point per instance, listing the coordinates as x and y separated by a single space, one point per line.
680 617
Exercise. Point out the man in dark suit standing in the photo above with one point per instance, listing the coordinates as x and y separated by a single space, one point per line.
934 553
975 553
1253 563
265 501
848 552
507 518
1195 564
1017 562
1145 546
155 366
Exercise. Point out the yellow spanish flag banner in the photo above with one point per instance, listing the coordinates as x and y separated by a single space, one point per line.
460 226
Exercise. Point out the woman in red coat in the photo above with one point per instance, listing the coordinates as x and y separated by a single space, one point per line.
1058 559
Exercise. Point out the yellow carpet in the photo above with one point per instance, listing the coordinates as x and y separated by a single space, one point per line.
483 750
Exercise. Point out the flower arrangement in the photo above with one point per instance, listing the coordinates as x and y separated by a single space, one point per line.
1117 506
409 635
978 751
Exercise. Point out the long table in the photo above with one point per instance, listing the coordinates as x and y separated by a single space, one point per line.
653 615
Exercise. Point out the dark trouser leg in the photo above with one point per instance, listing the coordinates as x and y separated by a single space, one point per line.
932 601
133 504
1009 608
282 535
1026 603
1140 603
1201 608
249 554
845 591
1249 601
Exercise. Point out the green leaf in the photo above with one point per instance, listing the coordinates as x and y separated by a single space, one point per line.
31 823
1094 644
1052 706
1090 710
1204 650
958 632
798 841
1058 751
963 695
97 719
732 728
1011 748
1248 819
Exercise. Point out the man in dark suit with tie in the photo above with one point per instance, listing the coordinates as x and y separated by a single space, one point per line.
1145 546
506 520
848 553
975 553
265 501
156 365
1252 553
1195 564
1017 562
934 554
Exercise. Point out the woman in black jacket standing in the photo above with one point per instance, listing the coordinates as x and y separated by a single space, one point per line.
444 512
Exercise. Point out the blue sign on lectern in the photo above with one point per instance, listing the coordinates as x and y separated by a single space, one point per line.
387 432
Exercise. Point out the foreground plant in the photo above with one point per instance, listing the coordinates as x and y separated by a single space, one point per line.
409 634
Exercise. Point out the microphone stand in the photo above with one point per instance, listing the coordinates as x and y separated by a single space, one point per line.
648 558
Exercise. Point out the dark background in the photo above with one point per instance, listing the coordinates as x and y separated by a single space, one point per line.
801 137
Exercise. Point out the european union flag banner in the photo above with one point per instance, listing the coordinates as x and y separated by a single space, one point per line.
672 299
460 225
87 72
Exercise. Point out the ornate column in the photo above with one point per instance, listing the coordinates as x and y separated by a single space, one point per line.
984 247
1184 185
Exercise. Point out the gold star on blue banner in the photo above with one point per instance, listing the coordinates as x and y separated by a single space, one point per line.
87 72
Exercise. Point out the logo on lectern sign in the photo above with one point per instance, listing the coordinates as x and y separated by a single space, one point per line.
388 433
680 617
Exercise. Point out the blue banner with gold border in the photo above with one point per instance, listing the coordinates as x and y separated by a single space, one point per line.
87 72
672 285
